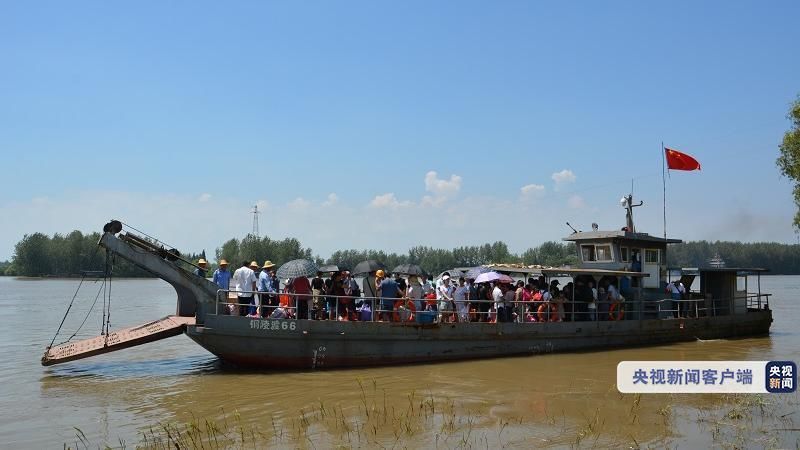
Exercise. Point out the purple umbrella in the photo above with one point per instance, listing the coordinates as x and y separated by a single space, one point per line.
475 271
493 276
505 279
487 277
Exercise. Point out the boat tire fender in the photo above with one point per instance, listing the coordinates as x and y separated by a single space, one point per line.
616 311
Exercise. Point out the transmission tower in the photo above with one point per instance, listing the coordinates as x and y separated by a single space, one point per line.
255 213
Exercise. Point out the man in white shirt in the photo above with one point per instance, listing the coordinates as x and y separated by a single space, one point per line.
244 280
677 290
460 297
414 292
427 288
444 293
499 302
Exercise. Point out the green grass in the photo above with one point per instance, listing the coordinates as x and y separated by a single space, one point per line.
424 420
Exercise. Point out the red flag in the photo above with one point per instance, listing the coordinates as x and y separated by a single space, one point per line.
680 161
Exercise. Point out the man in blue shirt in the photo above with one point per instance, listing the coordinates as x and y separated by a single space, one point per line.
266 284
201 271
222 277
388 292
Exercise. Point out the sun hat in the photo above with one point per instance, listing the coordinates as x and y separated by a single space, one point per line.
254 264
268 264
202 261
446 277
223 262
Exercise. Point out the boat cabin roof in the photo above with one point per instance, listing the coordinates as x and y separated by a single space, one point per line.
620 234
738 270
566 271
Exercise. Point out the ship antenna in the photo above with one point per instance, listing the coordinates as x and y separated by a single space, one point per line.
573 229
255 214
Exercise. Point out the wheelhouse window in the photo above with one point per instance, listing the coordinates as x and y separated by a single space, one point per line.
587 251
623 254
603 252
596 253
651 256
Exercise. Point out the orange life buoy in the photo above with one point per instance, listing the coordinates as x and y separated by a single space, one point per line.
541 313
404 310
614 313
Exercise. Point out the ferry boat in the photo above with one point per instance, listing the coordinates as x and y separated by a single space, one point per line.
726 305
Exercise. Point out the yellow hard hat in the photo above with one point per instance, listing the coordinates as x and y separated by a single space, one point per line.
380 273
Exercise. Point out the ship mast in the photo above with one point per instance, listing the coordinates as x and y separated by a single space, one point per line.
627 203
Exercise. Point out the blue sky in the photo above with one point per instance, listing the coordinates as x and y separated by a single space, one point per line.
177 117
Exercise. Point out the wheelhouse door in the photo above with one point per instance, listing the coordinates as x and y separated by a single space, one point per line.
651 265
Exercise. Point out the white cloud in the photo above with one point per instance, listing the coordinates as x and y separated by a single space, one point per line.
564 177
576 202
531 190
332 200
299 204
204 197
441 187
388 200
436 202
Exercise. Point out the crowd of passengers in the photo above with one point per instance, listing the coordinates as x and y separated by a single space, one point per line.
339 297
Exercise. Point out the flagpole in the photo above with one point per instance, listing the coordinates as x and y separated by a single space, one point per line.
664 185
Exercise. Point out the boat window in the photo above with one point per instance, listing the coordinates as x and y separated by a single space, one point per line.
651 256
603 252
587 252
623 254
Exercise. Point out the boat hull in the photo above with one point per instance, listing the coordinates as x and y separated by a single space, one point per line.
303 344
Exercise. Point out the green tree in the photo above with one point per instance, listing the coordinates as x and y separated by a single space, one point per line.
789 160
32 255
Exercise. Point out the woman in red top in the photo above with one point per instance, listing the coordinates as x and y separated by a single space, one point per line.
301 285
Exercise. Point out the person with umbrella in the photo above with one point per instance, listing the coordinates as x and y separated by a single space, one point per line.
298 271
498 295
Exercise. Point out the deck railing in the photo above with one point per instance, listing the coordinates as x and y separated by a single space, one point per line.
377 309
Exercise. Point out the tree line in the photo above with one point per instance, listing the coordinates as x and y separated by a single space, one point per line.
68 255
780 259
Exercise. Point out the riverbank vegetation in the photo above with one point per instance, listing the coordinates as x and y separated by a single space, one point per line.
68 255
442 421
